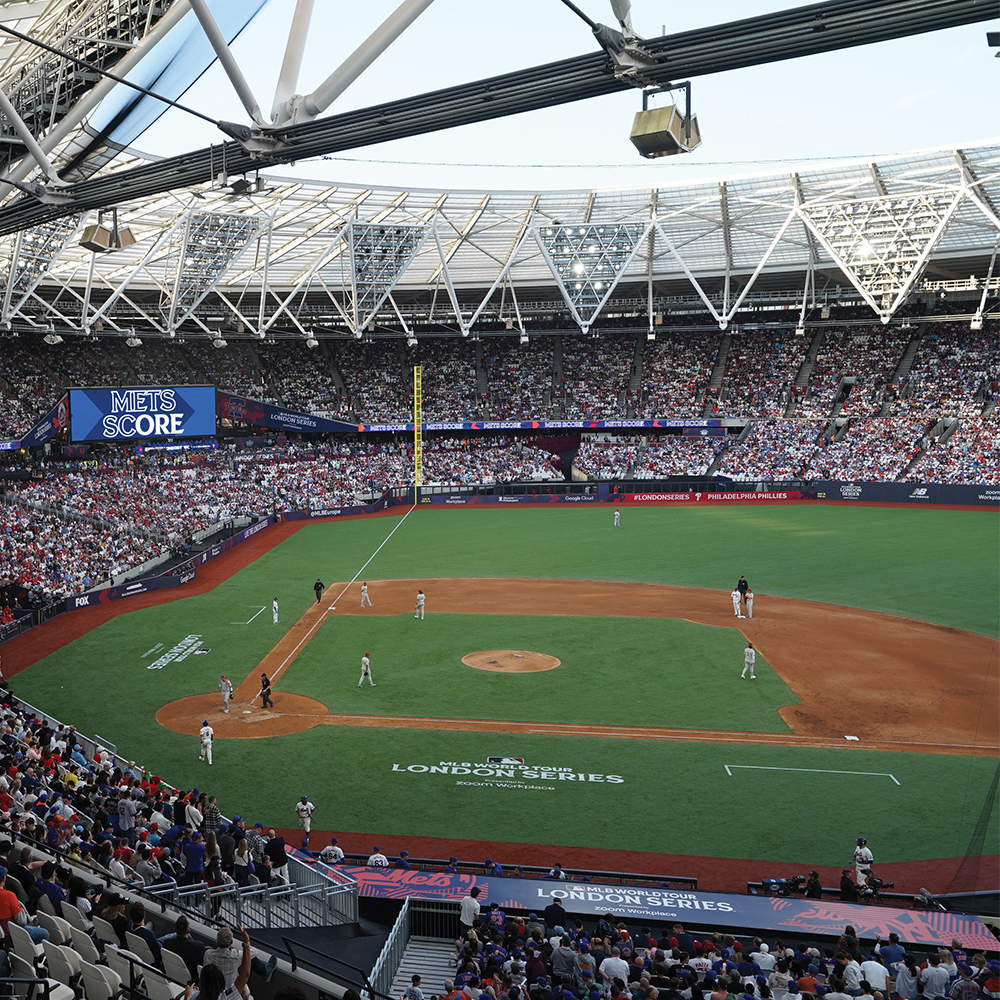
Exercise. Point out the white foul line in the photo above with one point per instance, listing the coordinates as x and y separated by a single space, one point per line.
319 621
248 622
811 770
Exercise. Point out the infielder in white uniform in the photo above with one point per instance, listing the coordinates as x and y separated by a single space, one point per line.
366 671
420 605
749 658
863 860
365 597
207 733
274 610
304 810
618 517
748 597
736 603
226 687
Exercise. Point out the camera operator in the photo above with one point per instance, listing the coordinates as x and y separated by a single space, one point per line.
813 887
848 890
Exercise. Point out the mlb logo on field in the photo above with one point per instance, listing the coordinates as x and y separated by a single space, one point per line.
504 760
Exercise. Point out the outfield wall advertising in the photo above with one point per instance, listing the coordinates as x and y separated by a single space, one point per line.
782 914
538 425
139 412
913 493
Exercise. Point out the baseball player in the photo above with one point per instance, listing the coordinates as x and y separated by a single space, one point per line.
364 596
331 854
304 810
618 517
318 589
736 604
226 687
749 659
863 861
420 605
274 610
207 733
748 598
366 671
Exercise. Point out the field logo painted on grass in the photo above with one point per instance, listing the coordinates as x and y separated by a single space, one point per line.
188 645
511 774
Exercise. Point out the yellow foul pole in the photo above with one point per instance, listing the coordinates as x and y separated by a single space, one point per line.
418 434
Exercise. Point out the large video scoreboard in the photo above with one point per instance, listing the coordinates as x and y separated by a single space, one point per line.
139 412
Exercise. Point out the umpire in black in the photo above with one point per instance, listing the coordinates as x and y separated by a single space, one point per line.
318 587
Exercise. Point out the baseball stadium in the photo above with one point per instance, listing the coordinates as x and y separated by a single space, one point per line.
374 554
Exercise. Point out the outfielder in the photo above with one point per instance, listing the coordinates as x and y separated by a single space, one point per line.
366 671
863 861
420 605
618 517
206 733
304 810
274 610
736 604
226 687
364 596
748 597
749 658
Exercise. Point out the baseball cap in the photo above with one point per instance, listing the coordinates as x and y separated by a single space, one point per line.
305 798
237 819
205 723
3 872
375 849
819 989
258 826
404 854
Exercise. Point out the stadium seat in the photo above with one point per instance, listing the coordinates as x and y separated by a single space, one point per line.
83 943
175 966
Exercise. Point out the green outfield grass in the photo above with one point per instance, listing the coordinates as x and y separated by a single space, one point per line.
939 566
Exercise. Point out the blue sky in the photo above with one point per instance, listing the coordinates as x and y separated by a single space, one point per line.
917 93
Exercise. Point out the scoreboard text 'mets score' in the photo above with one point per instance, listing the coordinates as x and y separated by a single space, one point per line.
136 412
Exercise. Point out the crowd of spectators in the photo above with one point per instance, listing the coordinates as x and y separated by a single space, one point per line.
32 386
868 353
377 389
520 377
676 368
971 455
677 455
952 372
874 450
448 380
299 378
607 457
596 376
51 556
761 366
772 449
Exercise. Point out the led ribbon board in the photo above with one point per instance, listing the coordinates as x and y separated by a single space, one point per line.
140 412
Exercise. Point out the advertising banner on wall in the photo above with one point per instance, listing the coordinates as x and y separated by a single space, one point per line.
540 425
910 493
695 497
137 412
49 426
251 411
731 911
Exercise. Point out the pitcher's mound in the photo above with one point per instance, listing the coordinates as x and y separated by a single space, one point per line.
511 661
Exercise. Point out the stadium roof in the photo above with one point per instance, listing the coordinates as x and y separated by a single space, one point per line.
333 254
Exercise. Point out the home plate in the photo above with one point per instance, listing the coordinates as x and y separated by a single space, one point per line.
247 711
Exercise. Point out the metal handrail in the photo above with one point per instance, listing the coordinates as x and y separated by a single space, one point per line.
362 980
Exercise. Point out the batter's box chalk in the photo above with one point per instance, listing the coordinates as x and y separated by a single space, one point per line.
855 738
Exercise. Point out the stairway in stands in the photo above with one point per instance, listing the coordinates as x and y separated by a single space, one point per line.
635 378
715 380
805 372
430 958
903 368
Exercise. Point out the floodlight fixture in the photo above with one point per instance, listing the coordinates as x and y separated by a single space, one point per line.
219 343
800 331
133 341
312 342
650 335
976 323
411 341
523 338
52 338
